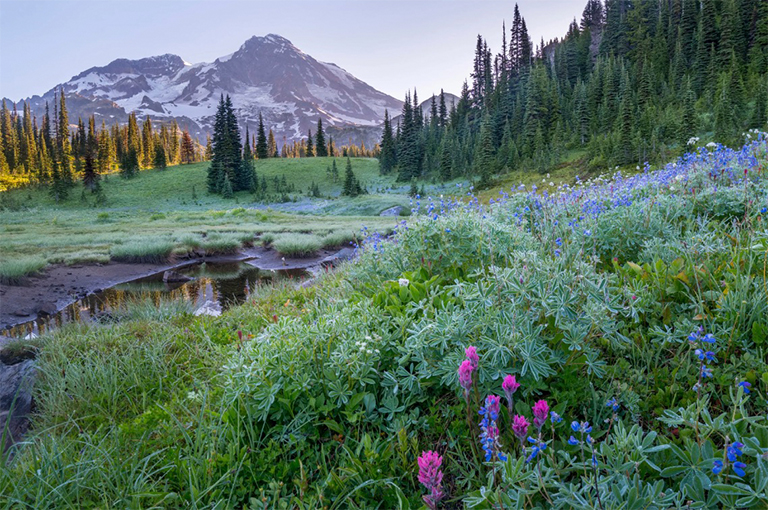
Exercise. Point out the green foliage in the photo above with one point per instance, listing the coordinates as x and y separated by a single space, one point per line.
147 250
297 245
12 272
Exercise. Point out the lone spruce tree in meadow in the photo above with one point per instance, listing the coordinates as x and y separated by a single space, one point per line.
226 168
320 149
352 186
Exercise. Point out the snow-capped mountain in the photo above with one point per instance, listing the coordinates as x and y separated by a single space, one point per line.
266 75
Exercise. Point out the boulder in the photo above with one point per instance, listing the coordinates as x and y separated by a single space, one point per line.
211 308
16 399
47 308
340 256
392 211
174 277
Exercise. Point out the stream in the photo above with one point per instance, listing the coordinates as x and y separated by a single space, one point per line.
217 285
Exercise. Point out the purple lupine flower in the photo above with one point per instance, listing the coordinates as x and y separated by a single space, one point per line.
492 406
471 354
738 468
717 467
465 376
540 412
613 404
431 477
489 438
573 441
746 386
733 452
520 426
554 417
538 446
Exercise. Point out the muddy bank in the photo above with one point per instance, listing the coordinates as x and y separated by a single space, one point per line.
60 286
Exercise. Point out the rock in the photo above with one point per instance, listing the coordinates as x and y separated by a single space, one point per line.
13 351
16 383
211 308
47 308
22 313
340 256
392 211
174 277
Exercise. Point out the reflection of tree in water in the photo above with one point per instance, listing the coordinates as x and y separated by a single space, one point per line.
228 284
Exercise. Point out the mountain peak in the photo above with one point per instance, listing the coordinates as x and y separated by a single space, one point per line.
274 41
266 76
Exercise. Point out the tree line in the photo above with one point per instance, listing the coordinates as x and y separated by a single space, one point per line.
632 81
52 152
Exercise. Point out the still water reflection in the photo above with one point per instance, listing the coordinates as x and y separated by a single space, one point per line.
225 284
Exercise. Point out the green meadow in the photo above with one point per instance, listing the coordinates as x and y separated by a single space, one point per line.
161 213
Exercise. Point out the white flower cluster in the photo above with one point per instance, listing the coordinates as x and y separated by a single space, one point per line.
693 140
363 346
404 282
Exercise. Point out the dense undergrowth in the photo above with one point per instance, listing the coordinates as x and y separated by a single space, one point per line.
635 308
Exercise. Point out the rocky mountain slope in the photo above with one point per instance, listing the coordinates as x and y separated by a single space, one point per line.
266 75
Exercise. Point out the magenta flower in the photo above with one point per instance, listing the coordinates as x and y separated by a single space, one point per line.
431 477
520 426
471 354
540 412
510 386
465 376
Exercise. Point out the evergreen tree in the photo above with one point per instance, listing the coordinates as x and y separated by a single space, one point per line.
320 148
351 185
388 155
248 166
147 144
160 160
129 166
64 154
310 152
261 141
90 171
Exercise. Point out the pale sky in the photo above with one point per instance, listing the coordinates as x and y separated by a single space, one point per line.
393 45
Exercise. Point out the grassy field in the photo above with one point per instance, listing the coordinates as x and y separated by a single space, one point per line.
160 212
165 212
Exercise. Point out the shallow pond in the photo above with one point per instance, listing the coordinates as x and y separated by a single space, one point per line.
220 284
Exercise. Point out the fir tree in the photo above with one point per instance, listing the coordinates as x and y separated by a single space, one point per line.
160 159
351 186
310 151
261 141
320 148
248 166
388 156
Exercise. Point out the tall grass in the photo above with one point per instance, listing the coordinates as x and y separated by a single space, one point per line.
12 272
145 251
338 239
297 245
